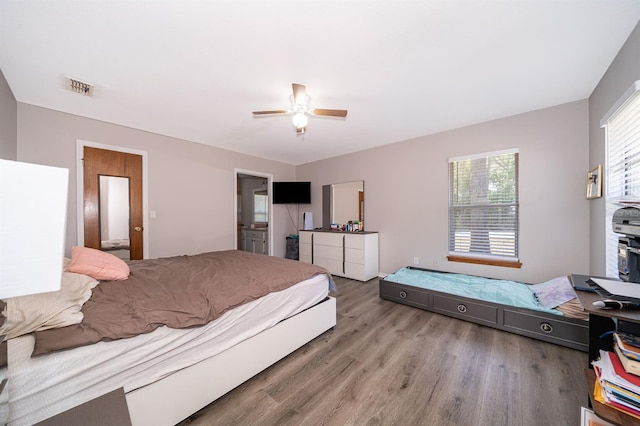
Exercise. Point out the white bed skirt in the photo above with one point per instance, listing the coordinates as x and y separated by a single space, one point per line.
176 397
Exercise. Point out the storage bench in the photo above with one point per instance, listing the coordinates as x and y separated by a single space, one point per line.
549 327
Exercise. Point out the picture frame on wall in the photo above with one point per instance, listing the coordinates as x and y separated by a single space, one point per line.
594 182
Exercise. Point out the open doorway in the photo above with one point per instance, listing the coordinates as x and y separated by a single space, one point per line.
253 211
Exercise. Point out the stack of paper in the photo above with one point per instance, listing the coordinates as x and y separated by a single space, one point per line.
615 386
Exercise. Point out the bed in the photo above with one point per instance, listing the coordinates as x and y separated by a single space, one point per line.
548 311
168 373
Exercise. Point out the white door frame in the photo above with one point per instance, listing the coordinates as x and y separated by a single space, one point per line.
269 178
80 144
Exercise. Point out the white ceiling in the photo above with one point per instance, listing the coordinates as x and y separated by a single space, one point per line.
196 69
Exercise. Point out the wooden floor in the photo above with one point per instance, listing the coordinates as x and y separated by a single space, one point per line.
390 364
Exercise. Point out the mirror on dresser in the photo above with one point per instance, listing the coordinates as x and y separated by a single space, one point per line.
342 202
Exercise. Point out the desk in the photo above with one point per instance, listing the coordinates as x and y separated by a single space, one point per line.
601 323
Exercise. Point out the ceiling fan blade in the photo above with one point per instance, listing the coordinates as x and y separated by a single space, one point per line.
277 111
330 112
299 94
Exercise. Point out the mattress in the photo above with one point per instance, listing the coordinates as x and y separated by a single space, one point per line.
43 386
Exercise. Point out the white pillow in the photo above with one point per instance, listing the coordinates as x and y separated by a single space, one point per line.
26 314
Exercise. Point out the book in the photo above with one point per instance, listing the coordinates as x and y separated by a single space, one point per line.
600 395
621 395
615 387
589 418
630 339
629 345
620 371
629 365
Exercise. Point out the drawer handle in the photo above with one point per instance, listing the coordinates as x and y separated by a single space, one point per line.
546 327
462 309
403 294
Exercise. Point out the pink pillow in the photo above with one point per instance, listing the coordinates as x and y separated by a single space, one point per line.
97 264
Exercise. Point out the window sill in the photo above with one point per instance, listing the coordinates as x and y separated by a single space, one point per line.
479 261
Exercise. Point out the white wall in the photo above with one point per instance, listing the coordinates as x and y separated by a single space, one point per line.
406 187
191 186
8 121
406 192
623 71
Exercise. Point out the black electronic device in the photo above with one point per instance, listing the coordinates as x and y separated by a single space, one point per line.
291 193
626 221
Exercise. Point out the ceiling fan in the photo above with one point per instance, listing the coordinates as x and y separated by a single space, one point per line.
300 109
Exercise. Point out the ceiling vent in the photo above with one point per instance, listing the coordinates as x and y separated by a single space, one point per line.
78 86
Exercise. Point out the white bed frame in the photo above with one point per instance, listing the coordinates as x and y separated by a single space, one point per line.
175 397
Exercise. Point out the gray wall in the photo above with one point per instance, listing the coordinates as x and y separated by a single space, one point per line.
191 186
8 121
406 192
623 71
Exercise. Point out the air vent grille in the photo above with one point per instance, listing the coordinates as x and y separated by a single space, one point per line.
78 86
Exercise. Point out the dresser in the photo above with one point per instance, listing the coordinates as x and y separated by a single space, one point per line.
346 254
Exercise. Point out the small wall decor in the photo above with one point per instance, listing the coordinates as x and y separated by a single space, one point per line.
594 183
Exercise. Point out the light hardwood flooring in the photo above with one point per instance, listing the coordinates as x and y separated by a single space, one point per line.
390 364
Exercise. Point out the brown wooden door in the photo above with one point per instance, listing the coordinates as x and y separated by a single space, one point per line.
99 162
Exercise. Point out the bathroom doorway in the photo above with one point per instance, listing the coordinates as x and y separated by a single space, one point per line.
253 211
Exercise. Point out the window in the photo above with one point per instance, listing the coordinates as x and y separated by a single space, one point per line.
483 208
622 125
260 206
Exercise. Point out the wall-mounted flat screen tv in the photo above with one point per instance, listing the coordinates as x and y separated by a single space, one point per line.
291 193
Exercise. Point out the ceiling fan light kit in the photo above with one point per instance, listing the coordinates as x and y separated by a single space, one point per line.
300 121
300 109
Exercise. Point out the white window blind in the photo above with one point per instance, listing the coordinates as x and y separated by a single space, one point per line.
622 183
483 205
260 206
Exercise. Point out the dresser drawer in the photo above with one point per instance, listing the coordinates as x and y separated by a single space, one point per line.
355 271
333 266
305 252
408 295
475 311
258 235
354 256
327 252
558 329
354 241
305 237
328 239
